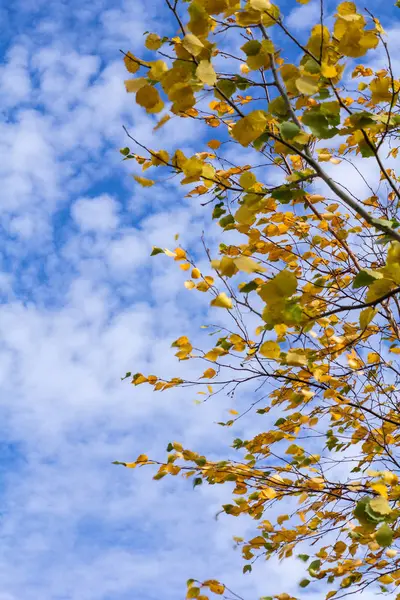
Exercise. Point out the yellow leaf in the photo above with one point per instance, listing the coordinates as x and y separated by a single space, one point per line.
249 128
248 265
247 180
131 63
354 363
379 288
216 587
307 85
340 547
161 122
268 493
133 85
233 412
380 89
143 181
222 301
270 350
158 68
282 518
366 317
328 71
209 374
390 478
346 8
192 44
189 285
296 358
380 505
391 553
180 254
149 98
131 465
380 488
260 5
205 72
214 144
153 41
142 458
385 579
373 357
214 354
303 1
281 286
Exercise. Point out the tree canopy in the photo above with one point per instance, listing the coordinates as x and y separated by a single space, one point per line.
307 272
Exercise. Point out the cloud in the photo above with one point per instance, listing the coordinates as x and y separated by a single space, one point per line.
304 17
95 214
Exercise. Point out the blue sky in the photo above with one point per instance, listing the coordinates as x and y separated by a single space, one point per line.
82 303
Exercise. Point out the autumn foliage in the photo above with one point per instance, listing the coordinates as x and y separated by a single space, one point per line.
315 267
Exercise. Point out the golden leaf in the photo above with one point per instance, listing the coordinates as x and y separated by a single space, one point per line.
143 181
153 41
209 374
161 122
131 63
248 265
222 301
270 350
133 85
249 128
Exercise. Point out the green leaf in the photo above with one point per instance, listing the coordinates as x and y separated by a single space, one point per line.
251 48
226 221
365 278
304 583
366 316
384 536
247 569
125 151
249 287
366 150
286 194
260 141
241 83
289 130
303 557
156 251
361 119
360 512
197 481
278 107
315 565
319 123
218 211
226 86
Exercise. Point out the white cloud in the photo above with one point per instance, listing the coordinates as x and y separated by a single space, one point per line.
96 214
304 16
